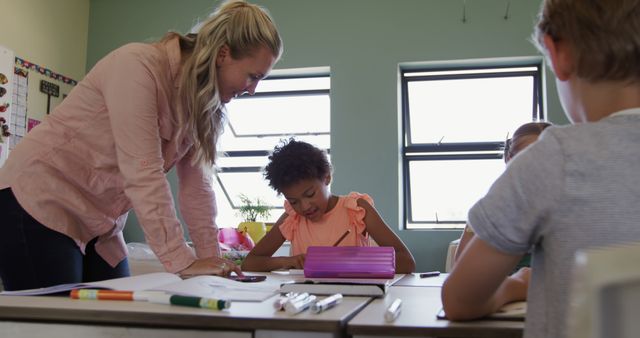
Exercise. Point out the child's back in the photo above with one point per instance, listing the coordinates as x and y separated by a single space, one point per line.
577 186
585 193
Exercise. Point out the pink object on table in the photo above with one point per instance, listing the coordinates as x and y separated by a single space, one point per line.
232 239
350 262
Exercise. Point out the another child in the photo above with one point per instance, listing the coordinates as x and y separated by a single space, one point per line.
576 187
315 217
524 136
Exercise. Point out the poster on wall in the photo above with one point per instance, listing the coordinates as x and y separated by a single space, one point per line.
7 62
19 125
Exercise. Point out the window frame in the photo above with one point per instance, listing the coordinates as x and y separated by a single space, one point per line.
480 150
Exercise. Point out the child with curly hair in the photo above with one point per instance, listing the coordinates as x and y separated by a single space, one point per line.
314 216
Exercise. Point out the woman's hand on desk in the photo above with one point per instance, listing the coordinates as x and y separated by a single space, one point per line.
211 266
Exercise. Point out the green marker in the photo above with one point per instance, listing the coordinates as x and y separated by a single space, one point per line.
205 303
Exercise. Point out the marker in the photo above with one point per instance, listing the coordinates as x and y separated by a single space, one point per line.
430 274
297 307
393 310
326 303
108 294
279 303
205 303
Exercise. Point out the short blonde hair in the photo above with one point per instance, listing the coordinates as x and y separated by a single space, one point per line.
244 28
605 35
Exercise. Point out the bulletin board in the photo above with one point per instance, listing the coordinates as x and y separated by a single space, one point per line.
16 119
6 98
41 102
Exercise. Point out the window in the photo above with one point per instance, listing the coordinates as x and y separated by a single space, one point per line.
286 104
455 122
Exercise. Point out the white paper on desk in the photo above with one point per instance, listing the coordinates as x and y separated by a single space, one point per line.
515 310
133 283
201 286
138 283
220 288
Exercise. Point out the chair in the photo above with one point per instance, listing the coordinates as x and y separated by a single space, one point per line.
451 255
605 293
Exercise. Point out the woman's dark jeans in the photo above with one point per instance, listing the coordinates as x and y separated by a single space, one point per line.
34 256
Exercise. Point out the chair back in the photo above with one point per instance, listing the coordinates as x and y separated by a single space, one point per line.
605 293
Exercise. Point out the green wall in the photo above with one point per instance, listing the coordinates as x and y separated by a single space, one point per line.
363 41
52 34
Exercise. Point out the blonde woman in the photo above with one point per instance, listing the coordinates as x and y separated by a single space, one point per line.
142 110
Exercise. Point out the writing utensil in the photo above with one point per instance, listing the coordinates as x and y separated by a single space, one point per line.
108 294
342 237
205 303
430 274
393 310
297 307
279 303
326 303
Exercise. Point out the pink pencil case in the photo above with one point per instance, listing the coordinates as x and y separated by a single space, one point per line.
350 262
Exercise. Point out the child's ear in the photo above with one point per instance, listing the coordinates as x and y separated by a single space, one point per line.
560 56
327 179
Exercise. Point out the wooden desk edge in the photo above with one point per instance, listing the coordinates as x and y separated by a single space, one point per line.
445 331
173 320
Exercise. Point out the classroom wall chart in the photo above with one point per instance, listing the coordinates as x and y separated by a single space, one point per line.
7 64
19 123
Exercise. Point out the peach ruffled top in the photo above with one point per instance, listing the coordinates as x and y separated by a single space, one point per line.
345 215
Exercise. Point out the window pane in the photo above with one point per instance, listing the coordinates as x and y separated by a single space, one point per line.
472 71
228 142
279 115
227 216
444 190
251 184
293 84
468 110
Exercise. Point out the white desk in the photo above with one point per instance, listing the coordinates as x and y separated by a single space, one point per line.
413 279
64 317
420 306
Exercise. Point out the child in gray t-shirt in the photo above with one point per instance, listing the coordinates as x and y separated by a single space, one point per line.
578 186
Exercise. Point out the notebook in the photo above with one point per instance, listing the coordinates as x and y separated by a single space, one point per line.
370 287
511 311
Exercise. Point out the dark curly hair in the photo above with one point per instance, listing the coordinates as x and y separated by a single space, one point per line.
293 161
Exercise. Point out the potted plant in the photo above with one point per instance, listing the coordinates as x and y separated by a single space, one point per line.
251 210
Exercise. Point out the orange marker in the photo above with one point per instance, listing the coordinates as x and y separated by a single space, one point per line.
107 294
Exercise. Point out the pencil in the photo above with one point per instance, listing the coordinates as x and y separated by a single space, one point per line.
342 237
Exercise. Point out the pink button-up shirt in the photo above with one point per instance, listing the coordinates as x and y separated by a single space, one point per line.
106 149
